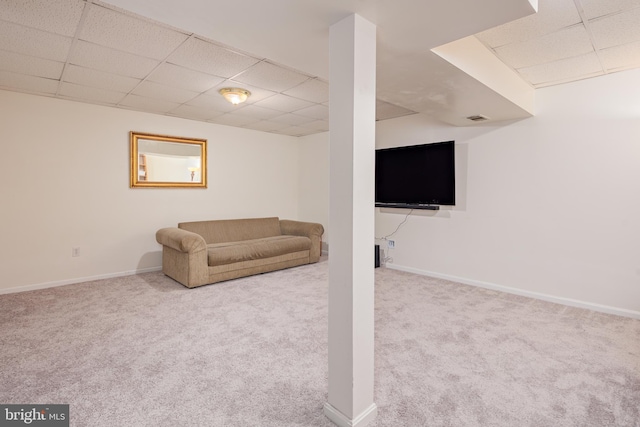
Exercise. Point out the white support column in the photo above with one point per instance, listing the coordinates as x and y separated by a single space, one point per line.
351 221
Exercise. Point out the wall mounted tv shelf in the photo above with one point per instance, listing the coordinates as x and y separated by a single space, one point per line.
408 206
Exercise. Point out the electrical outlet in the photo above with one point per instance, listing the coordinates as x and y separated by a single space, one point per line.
75 252
391 244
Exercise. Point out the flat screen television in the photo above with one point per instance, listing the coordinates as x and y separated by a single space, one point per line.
416 176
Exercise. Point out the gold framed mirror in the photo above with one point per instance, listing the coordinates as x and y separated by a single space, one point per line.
167 161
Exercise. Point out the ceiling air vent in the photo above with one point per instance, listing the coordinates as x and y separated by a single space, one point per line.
478 118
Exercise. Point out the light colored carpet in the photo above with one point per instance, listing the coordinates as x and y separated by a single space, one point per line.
145 351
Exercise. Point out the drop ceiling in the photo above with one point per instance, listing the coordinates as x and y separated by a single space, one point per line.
569 40
171 58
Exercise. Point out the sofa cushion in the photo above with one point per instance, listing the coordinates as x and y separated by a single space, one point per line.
234 230
230 252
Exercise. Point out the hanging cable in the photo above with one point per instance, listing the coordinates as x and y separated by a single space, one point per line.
397 228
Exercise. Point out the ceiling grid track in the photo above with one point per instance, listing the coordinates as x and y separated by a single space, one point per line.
74 42
587 27
164 61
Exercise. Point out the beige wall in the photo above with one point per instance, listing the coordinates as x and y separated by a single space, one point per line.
546 207
65 174
313 180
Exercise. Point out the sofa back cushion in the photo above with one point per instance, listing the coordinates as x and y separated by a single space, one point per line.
234 230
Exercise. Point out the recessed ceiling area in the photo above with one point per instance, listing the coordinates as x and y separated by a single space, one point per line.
171 58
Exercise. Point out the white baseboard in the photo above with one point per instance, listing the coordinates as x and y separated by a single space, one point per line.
342 420
56 283
537 295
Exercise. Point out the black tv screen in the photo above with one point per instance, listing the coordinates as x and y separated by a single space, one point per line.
416 175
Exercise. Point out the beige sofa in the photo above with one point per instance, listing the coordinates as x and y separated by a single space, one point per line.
204 252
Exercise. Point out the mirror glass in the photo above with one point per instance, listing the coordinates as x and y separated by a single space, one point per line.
167 161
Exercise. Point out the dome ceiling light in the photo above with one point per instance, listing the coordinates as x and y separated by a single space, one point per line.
235 95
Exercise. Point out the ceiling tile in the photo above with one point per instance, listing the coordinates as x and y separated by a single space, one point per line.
306 131
38 85
90 94
297 131
117 30
266 126
214 102
319 125
596 8
314 90
233 120
565 43
191 112
555 72
210 58
551 16
258 113
32 42
621 57
30 65
616 29
164 92
143 103
110 60
99 79
55 16
271 77
292 119
283 103
320 112
172 75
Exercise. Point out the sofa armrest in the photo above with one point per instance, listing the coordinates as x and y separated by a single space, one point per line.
312 230
184 256
181 240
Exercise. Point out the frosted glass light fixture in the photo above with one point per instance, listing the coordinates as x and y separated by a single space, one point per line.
235 95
